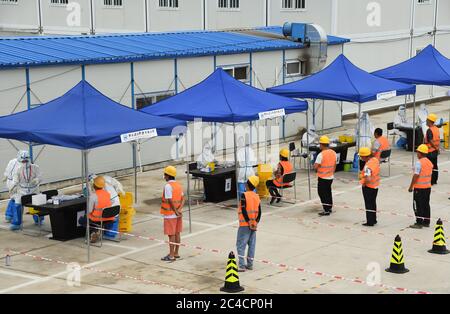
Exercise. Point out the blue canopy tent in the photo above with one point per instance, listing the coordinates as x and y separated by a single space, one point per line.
343 81
429 67
221 98
83 119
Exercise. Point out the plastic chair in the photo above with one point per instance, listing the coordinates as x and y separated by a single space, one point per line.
197 181
390 131
108 213
288 179
385 156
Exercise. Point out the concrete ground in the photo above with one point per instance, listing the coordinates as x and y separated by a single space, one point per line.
297 251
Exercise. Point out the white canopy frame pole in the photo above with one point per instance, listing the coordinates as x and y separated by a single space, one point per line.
86 180
236 164
308 160
187 138
414 131
188 193
358 147
135 172
265 141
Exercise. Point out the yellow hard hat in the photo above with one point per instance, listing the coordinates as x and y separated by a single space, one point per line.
432 117
364 152
99 182
254 180
284 153
324 140
170 171
423 149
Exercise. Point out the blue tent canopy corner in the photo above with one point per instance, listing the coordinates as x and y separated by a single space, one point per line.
429 67
221 98
83 118
343 81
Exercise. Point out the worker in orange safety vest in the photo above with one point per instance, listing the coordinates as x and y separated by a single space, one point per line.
172 202
370 180
284 167
421 186
433 140
325 165
249 213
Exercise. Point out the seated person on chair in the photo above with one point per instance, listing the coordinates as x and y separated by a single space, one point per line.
380 144
284 167
98 200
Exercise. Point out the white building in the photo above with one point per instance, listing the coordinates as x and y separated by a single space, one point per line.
382 33
35 70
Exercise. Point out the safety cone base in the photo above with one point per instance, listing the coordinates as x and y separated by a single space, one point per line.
439 251
232 290
397 271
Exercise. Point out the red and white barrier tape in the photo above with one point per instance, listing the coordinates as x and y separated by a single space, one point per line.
332 225
388 185
278 265
100 271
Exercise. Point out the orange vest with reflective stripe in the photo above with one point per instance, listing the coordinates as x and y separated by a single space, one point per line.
384 145
177 199
424 180
374 180
252 203
436 139
103 201
328 164
287 168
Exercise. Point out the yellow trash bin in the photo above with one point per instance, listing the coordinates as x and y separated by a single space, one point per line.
264 174
126 212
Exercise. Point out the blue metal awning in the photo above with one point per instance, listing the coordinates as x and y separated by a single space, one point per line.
116 48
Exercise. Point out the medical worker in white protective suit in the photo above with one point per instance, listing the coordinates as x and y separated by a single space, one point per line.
113 187
366 130
246 160
8 177
26 181
311 135
206 157
422 114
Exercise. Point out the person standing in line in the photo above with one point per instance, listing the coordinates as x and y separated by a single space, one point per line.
433 140
421 187
325 166
171 208
370 180
249 213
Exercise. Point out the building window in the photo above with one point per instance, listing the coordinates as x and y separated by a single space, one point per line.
228 4
59 2
113 3
295 68
168 4
148 99
239 72
293 4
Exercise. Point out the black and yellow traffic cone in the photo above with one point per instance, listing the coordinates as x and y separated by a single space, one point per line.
439 240
397 259
232 277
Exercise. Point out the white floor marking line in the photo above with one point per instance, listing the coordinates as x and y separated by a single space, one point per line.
19 274
112 258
